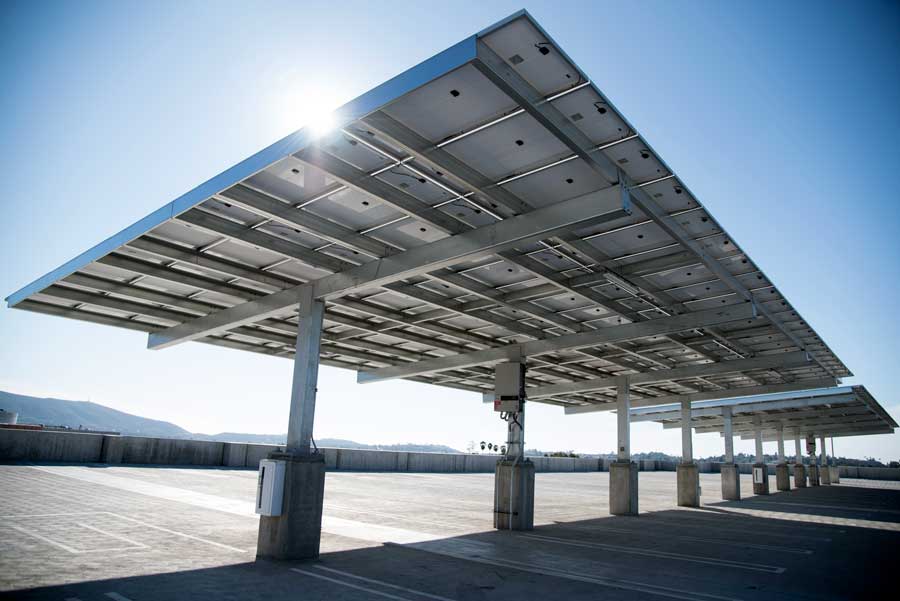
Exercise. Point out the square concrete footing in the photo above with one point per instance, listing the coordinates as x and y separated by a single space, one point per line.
688 477
760 479
731 482
295 534
623 488
782 477
825 475
812 472
835 474
799 475
514 495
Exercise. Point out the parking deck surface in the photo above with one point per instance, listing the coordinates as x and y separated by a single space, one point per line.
101 533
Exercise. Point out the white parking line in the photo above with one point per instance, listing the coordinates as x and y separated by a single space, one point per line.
350 585
546 570
756 567
117 597
387 584
696 539
49 541
176 533
136 544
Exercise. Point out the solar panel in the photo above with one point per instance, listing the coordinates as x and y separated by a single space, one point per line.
832 412
486 201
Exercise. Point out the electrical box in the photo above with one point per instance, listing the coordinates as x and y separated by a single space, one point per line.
810 445
270 488
757 475
509 387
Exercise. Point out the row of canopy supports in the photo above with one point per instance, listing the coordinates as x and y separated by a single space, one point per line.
294 531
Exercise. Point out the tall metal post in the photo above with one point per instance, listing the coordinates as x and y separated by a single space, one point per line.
623 473
731 475
306 374
760 469
295 531
687 446
729 435
782 473
799 470
688 475
623 421
824 471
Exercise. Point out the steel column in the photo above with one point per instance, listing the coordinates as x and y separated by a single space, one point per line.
623 407
306 374
687 450
729 435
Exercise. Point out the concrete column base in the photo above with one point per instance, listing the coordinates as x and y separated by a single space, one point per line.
762 487
731 482
813 473
825 475
514 495
782 477
688 485
296 532
799 475
835 474
623 488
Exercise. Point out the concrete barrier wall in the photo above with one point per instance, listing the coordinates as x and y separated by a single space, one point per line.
869 473
34 445
76 447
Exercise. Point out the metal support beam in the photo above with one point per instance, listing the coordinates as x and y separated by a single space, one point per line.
706 396
467 246
621 333
786 360
824 456
623 421
687 448
729 437
306 374
798 453
780 430
759 444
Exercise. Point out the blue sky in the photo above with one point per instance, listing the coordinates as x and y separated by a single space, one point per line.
781 117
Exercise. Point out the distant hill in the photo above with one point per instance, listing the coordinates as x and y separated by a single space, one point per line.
92 416
88 415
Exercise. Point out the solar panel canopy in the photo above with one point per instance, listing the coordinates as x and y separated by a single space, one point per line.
487 202
831 412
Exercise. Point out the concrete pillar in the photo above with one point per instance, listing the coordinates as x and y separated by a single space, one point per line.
514 475
812 468
824 472
799 470
623 473
760 469
688 476
731 475
295 534
782 474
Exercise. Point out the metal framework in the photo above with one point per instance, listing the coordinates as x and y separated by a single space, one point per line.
487 204
829 412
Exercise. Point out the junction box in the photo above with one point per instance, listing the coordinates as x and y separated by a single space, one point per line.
509 387
270 487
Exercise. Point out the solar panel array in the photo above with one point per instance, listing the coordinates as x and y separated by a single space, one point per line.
833 412
511 129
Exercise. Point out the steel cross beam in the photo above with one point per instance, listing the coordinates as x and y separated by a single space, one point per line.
786 360
707 396
506 78
839 432
621 333
477 243
833 397
715 425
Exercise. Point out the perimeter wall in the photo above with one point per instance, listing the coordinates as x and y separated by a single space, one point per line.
74 447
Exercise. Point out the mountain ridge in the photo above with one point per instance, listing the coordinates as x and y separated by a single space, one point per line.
51 411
